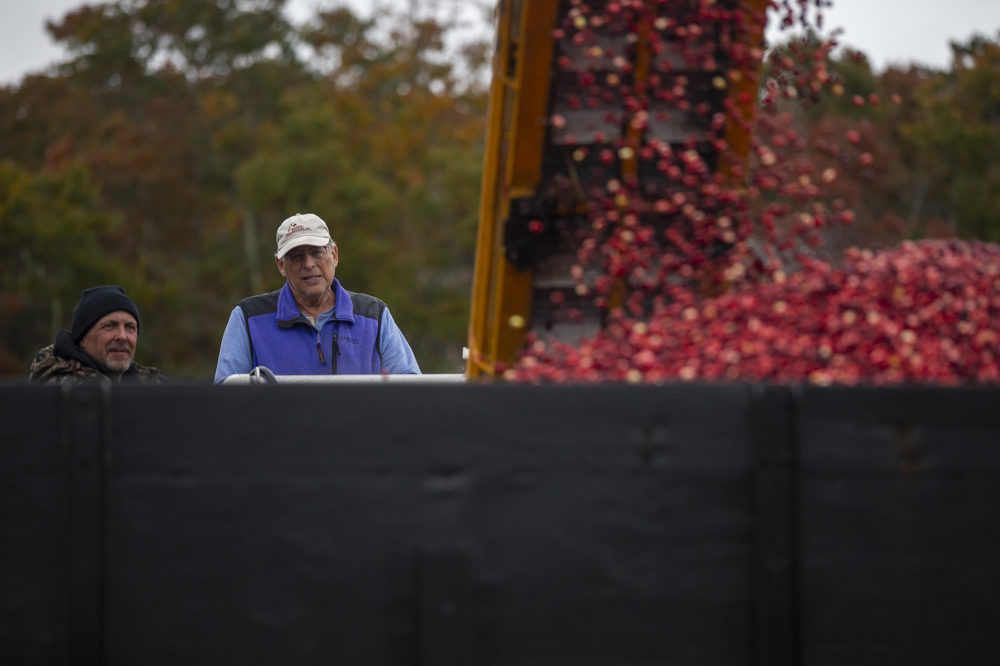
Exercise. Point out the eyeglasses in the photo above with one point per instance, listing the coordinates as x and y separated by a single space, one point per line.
297 256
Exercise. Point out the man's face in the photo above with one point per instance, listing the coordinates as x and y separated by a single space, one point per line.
111 341
309 270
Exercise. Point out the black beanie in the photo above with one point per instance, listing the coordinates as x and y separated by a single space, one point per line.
97 302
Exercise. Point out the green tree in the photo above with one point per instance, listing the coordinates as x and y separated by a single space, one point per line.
52 226
920 160
954 137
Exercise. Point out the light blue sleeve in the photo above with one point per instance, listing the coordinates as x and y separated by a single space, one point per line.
234 352
397 357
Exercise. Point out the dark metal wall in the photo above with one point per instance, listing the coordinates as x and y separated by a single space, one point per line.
438 525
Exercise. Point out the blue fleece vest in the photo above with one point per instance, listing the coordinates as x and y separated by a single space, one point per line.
286 343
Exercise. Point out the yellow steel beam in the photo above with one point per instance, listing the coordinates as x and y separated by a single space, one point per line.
743 93
518 109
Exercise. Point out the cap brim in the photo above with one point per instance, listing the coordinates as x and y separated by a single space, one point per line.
318 241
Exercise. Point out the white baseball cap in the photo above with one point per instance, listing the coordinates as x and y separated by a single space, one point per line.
301 229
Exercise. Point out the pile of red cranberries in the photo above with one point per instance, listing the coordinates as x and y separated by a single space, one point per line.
925 311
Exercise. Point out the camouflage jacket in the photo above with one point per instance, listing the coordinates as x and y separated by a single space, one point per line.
65 363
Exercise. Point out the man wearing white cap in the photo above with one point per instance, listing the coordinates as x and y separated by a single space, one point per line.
312 325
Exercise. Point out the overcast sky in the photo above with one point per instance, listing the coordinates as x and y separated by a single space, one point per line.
888 31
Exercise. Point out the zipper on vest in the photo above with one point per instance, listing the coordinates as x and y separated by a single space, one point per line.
319 348
336 353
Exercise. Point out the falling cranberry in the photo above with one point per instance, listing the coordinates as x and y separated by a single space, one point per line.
708 273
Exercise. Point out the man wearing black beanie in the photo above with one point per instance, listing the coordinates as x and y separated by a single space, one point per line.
100 346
